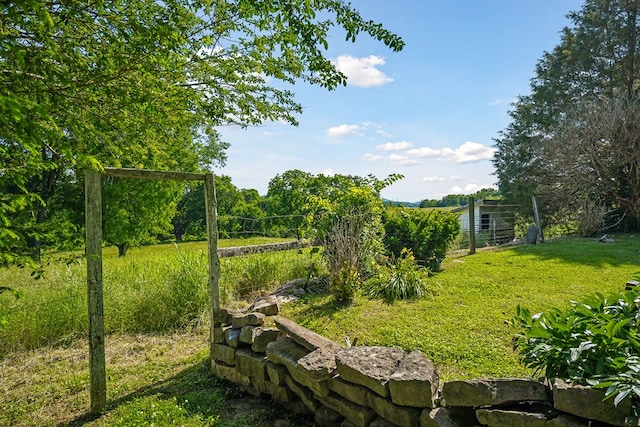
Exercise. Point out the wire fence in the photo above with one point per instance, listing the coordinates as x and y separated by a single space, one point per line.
44 371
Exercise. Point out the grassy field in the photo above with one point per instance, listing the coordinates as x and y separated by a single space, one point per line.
156 304
463 327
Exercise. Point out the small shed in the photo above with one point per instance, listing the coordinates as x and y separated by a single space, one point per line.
492 217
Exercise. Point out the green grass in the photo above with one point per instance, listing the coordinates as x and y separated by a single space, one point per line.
160 380
152 289
160 377
464 327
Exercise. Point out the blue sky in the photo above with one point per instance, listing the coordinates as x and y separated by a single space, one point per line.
429 112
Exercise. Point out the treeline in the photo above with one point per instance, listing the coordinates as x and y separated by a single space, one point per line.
573 140
460 199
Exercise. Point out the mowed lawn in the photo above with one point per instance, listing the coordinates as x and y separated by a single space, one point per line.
162 377
464 326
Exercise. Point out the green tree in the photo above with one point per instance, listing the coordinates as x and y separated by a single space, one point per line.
594 66
141 83
136 211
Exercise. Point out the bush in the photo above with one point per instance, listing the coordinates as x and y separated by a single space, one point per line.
403 279
347 251
427 233
594 342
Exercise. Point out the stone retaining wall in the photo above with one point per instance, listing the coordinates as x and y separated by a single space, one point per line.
380 386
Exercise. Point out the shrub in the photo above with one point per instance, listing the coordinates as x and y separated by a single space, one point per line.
594 342
347 247
403 279
427 233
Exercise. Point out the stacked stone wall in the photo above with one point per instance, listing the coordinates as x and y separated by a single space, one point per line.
380 386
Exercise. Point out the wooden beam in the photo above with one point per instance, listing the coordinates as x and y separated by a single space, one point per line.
153 174
212 239
93 225
472 225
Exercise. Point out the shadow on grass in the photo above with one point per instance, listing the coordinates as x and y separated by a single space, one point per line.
202 396
579 251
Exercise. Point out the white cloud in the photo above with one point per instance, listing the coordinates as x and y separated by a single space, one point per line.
328 172
372 157
469 188
468 152
424 152
400 160
434 179
342 130
472 152
395 146
362 71
383 133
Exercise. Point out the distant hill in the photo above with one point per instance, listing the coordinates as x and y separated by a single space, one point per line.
405 204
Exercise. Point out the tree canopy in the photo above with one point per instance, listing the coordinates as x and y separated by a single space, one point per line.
570 141
143 83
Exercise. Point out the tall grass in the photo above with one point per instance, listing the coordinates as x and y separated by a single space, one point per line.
151 290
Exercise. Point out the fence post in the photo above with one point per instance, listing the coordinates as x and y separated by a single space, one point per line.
472 226
212 239
93 225
536 216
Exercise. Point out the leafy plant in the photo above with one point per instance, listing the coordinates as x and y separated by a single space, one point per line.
427 233
594 342
402 279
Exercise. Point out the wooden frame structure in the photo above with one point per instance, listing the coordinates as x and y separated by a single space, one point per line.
93 225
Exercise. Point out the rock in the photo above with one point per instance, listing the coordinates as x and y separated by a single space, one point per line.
224 316
381 422
369 366
492 392
219 334
360 416
249 319
246 334
505 418
532 235
230 374
276 373
251 364
567 421
262 338
415 382
232 337
223 353
448 417
279 393
285 351
303 336
305 394
587 402
353 392
400 415
319 365
327 417
268 306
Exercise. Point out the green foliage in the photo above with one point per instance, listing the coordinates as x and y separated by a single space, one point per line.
595 342
344 283
401 279
155 289
568 142
145 85
460 199
428 234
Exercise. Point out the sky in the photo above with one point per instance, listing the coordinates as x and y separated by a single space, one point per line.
429 112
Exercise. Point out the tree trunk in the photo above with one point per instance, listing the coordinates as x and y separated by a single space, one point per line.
122 249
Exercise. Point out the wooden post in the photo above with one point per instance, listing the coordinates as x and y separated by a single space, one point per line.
93 225
472 226
536 216
212 238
